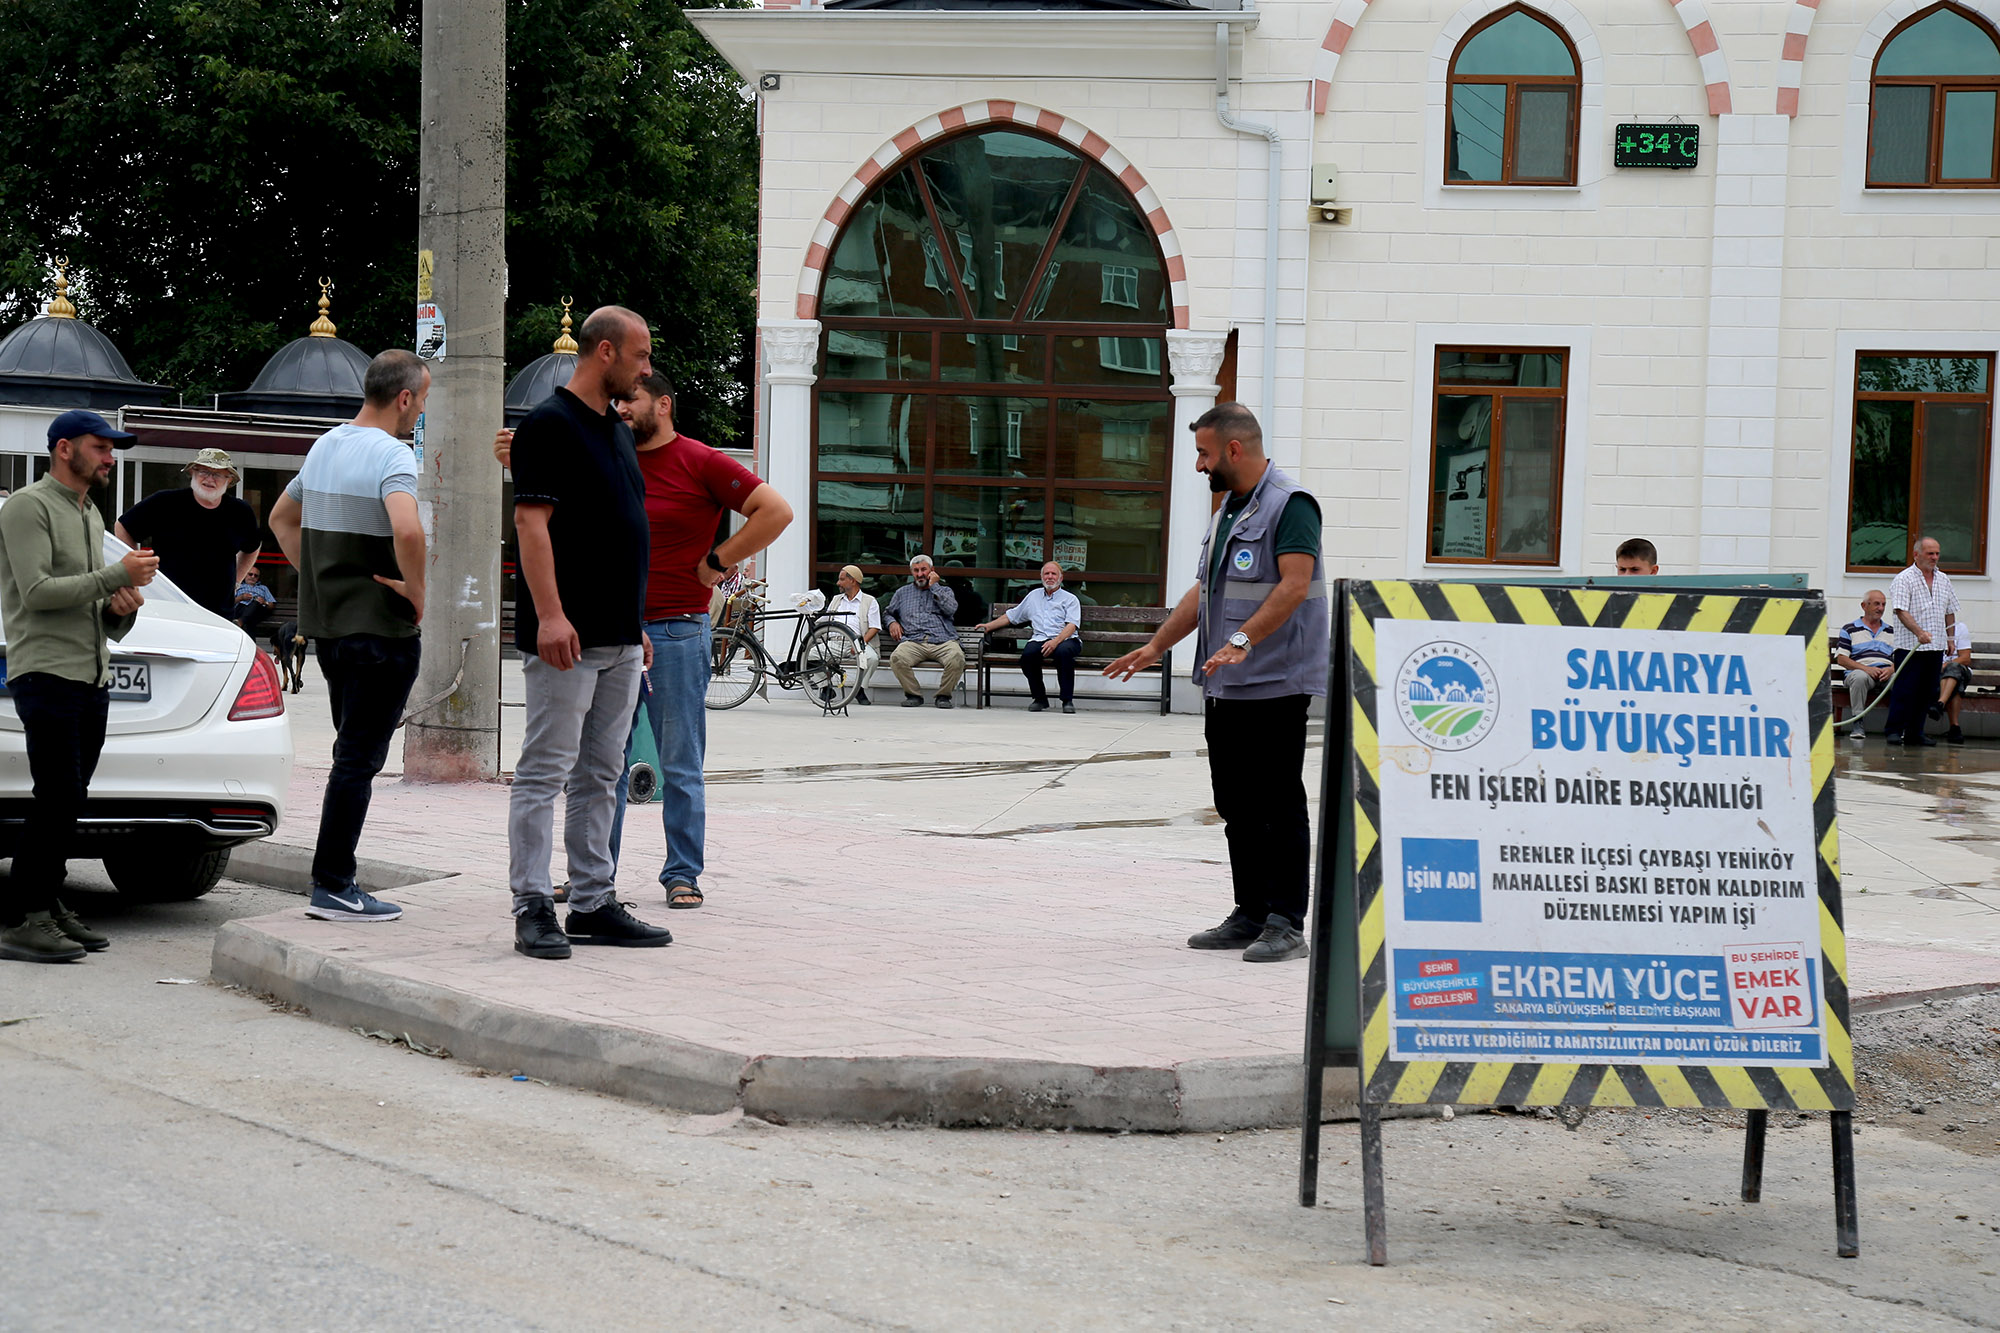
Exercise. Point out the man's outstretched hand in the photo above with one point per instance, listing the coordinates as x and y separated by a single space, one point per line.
1133 663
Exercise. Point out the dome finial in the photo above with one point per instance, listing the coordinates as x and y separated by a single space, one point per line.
60 308
565 343
323 327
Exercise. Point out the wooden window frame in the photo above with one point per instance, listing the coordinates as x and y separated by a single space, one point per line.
1940 86
1046 389
1510 116
1496 452
1912 520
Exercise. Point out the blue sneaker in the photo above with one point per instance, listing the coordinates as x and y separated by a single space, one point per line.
351 904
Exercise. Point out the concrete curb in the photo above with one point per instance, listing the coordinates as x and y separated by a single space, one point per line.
1196 1095
280 865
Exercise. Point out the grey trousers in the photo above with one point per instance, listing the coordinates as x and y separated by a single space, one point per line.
578 723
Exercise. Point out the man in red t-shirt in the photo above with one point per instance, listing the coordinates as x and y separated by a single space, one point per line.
689 487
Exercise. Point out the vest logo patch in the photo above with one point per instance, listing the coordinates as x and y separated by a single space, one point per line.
1244 560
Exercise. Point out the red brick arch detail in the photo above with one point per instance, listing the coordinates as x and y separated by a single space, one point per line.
1694 20
900 148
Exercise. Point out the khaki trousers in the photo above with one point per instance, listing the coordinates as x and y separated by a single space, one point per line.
949 658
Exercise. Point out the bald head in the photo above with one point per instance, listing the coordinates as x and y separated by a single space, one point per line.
615 352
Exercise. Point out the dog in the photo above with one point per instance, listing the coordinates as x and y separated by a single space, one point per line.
289 647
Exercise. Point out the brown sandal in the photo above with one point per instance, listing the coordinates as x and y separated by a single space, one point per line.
683 895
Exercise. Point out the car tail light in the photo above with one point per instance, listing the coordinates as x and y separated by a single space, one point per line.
262 695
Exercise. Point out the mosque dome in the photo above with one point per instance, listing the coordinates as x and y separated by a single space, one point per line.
542 376
318 375
57 360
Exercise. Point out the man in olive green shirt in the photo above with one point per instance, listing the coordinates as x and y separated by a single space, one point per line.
59 605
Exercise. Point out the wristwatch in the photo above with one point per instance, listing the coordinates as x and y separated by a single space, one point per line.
1240 640
716 565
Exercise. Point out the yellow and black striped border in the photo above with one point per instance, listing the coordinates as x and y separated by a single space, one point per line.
1533 1084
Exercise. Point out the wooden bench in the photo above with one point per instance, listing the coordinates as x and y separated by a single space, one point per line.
1983 696
1108 633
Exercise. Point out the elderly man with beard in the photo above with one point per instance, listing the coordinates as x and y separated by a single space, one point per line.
206 538
1263 625
60 603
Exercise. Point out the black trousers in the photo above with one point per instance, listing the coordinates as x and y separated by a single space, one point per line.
64 724
1256 763
1065 659
1916 690
368 680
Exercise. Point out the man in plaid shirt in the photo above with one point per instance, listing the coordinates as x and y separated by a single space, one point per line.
1924 605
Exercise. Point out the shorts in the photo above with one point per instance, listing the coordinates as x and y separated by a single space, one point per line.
1959 672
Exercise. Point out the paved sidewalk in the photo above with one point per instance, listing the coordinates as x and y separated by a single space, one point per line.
961 917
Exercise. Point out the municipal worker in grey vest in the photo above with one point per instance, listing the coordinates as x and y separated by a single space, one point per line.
1261 626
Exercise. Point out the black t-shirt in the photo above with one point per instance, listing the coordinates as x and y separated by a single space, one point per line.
197 547
584 465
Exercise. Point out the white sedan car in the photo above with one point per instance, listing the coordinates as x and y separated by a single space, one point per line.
197 752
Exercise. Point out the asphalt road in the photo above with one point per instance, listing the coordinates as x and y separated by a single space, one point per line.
187 1156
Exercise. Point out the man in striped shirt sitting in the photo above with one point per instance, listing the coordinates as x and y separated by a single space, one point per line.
1868 652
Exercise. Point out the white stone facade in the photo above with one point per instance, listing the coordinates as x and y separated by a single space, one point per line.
1712 316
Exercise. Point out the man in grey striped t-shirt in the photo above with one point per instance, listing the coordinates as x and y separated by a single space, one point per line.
348 523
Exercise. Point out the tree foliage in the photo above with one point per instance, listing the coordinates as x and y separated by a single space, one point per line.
202 162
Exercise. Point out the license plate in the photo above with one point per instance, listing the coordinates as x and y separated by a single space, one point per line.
131 681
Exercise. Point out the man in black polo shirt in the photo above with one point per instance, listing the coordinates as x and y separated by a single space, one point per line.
580 519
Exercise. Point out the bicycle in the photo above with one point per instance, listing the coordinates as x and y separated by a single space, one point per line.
824 659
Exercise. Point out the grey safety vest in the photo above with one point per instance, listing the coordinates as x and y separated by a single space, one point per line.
1293 658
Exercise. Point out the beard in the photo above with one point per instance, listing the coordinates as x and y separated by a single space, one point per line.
1217 483
646 427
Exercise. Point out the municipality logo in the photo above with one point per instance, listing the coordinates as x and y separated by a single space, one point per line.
1447 696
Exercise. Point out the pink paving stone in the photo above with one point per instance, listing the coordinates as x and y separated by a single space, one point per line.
1050 122
953 119
1337 35
1718 99
1795 46
1788 101
786 960
1702 37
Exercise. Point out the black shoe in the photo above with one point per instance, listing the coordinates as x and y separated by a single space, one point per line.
1281 940
944 701
1936 712
537 935
1893 737
1235 931
612 924
1039 706
913 701
1069 708
1954 737
861 697
1920 741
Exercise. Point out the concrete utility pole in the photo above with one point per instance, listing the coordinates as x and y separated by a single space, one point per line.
461 289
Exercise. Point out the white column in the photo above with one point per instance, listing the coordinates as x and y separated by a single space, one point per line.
1194 359
1745 315
791 353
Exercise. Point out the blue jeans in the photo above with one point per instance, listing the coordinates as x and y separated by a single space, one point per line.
678 708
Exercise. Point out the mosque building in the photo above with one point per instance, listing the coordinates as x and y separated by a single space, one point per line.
1506 283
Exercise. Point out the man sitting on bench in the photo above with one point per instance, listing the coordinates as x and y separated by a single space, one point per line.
1052 616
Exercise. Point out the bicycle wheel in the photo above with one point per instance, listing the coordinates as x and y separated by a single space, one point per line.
830 665
736 670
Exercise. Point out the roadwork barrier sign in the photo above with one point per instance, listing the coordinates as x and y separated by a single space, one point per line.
1584 855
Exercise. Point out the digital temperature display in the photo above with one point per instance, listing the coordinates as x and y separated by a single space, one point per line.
1656 146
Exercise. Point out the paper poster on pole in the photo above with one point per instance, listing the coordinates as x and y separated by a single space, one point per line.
430 331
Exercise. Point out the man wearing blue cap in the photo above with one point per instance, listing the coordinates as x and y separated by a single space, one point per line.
61 604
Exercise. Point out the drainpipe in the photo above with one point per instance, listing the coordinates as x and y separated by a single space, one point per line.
1270 132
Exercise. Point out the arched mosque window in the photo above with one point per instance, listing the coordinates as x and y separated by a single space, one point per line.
1512 109
1931 120
992 386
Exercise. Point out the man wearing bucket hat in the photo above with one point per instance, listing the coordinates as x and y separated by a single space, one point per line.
61 604
864 617
206 538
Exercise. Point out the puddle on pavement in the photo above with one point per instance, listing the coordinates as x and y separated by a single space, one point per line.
1198 819
1961 785
932 772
